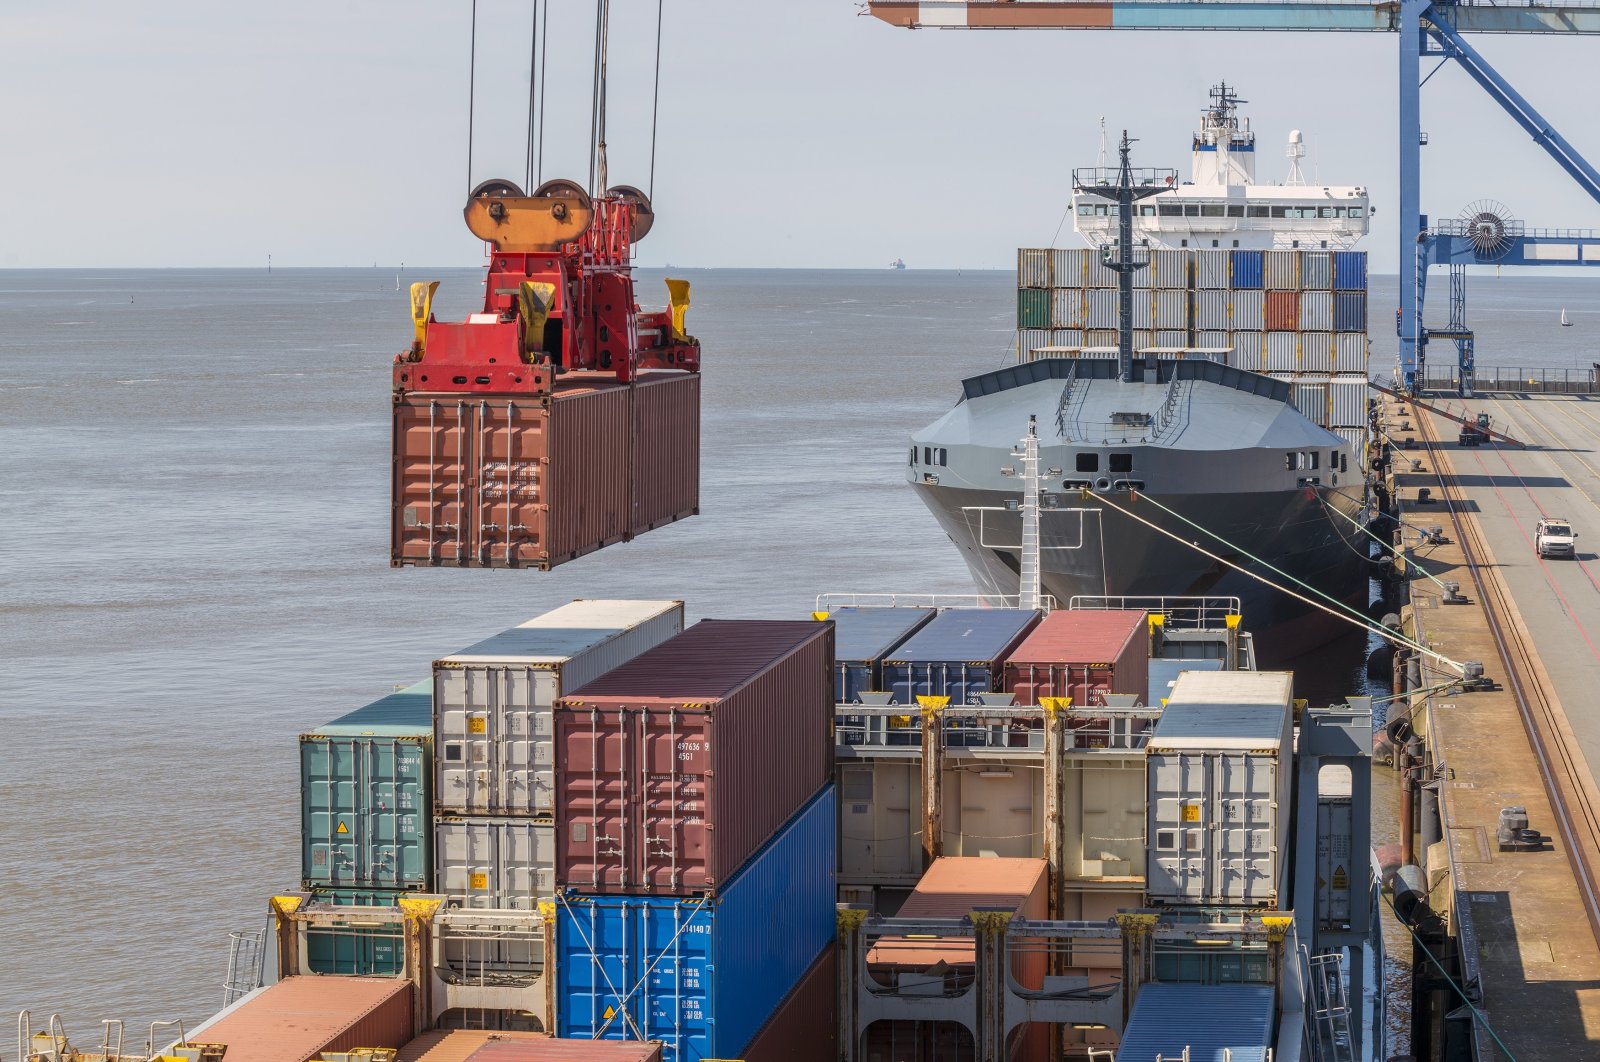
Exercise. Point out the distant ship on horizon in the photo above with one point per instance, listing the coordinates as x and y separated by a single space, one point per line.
898 263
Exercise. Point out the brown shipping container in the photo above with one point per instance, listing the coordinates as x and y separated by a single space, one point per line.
553 1050
455 1045
1083 655
805 1027
594 463
298 1018
951 888
1283 311
675 768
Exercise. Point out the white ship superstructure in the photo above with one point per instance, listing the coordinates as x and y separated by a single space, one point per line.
1222 206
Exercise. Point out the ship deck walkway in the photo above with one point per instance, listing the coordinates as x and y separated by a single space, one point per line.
1525 921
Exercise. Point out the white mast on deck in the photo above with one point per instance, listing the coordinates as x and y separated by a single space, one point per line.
1031 586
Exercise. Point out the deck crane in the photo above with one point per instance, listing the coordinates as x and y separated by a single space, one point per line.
1484 235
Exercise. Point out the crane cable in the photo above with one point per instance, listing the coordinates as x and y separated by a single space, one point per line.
1353 617
544 66
472 90
597 112
533 85
655 101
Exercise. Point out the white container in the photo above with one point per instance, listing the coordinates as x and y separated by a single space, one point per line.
492 727
1172 308
1069 267
1067 308
1033 267
1350 352
1316 311
1213 339
1219 772
1348 397
1099 338
1170 269
1211 310
1311 399
1067 337
1143 339
1211 269
1282 270
1337 869
1247 350
1099 274
1316 349
1030 340
1249 311
1172 339
1102 308
1281 353
494 864
1143 308
1316 270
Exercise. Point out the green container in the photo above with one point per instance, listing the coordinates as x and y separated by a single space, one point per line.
365 807
365 950
1033 308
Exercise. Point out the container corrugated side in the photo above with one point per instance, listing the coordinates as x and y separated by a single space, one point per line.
365 807
1246 269
1033 308
1211 269
1316 311
1143 338
957 655
1068 308
1169 268
665 463
1350 311
1316 349
300 1017
1283 311
1083 655
1248 349
1249 313
805 1026
1099 338
1316 270
673 769
1172 339
552 1049
1311 399
457 1045
862 638
1347 395
1102 308
1350 352
1031 339
1281 270
1350 270
1067 337
492 727
1204 1021
1215 339
1171 308
951 888
1211 310
1281 352
494 864
1069 267
1033 267
1100 274
702 974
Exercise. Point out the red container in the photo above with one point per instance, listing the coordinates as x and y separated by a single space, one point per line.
1084 655
456 1045
805 1027
553 1050
1283 311
675 768
298 1018
591 464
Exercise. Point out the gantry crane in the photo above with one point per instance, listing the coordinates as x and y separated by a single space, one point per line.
1483 235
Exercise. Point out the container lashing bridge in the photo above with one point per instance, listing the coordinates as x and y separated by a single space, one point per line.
1484 235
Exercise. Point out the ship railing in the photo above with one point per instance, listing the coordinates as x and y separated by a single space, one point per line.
1187 613
830 601
896 729
1173 416
1063 421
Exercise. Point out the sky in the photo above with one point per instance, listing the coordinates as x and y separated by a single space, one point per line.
790 134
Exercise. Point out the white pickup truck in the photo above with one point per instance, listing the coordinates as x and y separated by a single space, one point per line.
1554 538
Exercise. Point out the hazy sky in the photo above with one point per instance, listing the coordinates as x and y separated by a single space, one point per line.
792 133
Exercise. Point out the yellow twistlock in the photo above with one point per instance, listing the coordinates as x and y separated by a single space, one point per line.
1232 620
1053 705
820 616
422 309
931 704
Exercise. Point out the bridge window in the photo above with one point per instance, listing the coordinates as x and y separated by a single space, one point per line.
1325 212
1191 210
1236 243
1121 463
913 459
1316 458
1147 211
927 455
1358 212
1259 212
1280 212
1216 243
1088 463
1213 210
1236 210
1183 243
1172 210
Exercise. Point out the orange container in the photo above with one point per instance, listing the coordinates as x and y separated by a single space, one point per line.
298 1018
1283 311
456 1045
1084 655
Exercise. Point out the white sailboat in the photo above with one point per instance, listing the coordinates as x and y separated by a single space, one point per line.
1564 322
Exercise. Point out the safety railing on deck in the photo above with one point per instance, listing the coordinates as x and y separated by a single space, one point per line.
873 728
1186 613
1505 379
830 601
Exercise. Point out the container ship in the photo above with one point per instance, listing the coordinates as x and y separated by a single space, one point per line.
1205 367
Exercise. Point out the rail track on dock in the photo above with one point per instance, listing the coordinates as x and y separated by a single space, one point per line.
1569 784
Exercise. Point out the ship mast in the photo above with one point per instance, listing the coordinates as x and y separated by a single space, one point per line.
1028 593
1124 186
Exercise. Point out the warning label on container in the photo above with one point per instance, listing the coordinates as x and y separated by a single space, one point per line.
1341 880
342 827
610 1012
1191 813
480 881
477 725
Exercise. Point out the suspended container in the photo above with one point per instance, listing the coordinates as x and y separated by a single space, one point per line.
493 700
1249 312
1350 352
365 807
1082 654
862 638
1246 269
1316 350
1283 311
1169 269
1281 352
1350 270
299 1018
1211 270
1281 270
1033 267
1033 308
1316 270
1211 310
533 481
1172 309
1069 267
1068 308
1101 308
675 768
496 864
1316 311
702 974
958 655
1350 311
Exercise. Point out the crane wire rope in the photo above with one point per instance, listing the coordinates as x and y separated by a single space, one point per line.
655 101
472 90
597 122
544 66
533 86
1353 616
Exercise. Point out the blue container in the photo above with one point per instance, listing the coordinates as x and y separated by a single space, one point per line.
957 655
1210 1022
367 946
862 637
1245 269
701 975
1350 311
1349 270
365 808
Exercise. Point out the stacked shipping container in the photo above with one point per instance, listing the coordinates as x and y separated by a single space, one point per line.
695 822
1297 315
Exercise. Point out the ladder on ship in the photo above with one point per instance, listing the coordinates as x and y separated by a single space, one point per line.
247 954
1327 1007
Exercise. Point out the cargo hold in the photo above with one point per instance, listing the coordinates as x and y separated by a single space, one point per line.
675 768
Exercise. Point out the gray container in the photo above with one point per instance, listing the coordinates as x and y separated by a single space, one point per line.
1281 353
1172 339
1171 308
1348 398
1101 308
494 864
1068 308
1211 269
1282 270
1248 348
1216 339
1067 337
1143 338
492 724
1311 399
1316 270
1170 269
1350 352
1219 775
1316 311
1030 340
1211 310
1069 267
1100 338
1249 311
1316 350
1143 308
1033 268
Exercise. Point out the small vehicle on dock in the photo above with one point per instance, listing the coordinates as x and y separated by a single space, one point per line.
1475 434
1554 537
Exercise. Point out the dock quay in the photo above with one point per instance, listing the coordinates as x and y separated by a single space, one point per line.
1512 907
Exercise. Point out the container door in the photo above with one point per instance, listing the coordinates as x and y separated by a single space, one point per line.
674 765
1179 819
328 814
526 862
524 778
365 813
396 813
431 476
880 823
496 864
999 815
596 795
1335 867
1245 864
463 713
